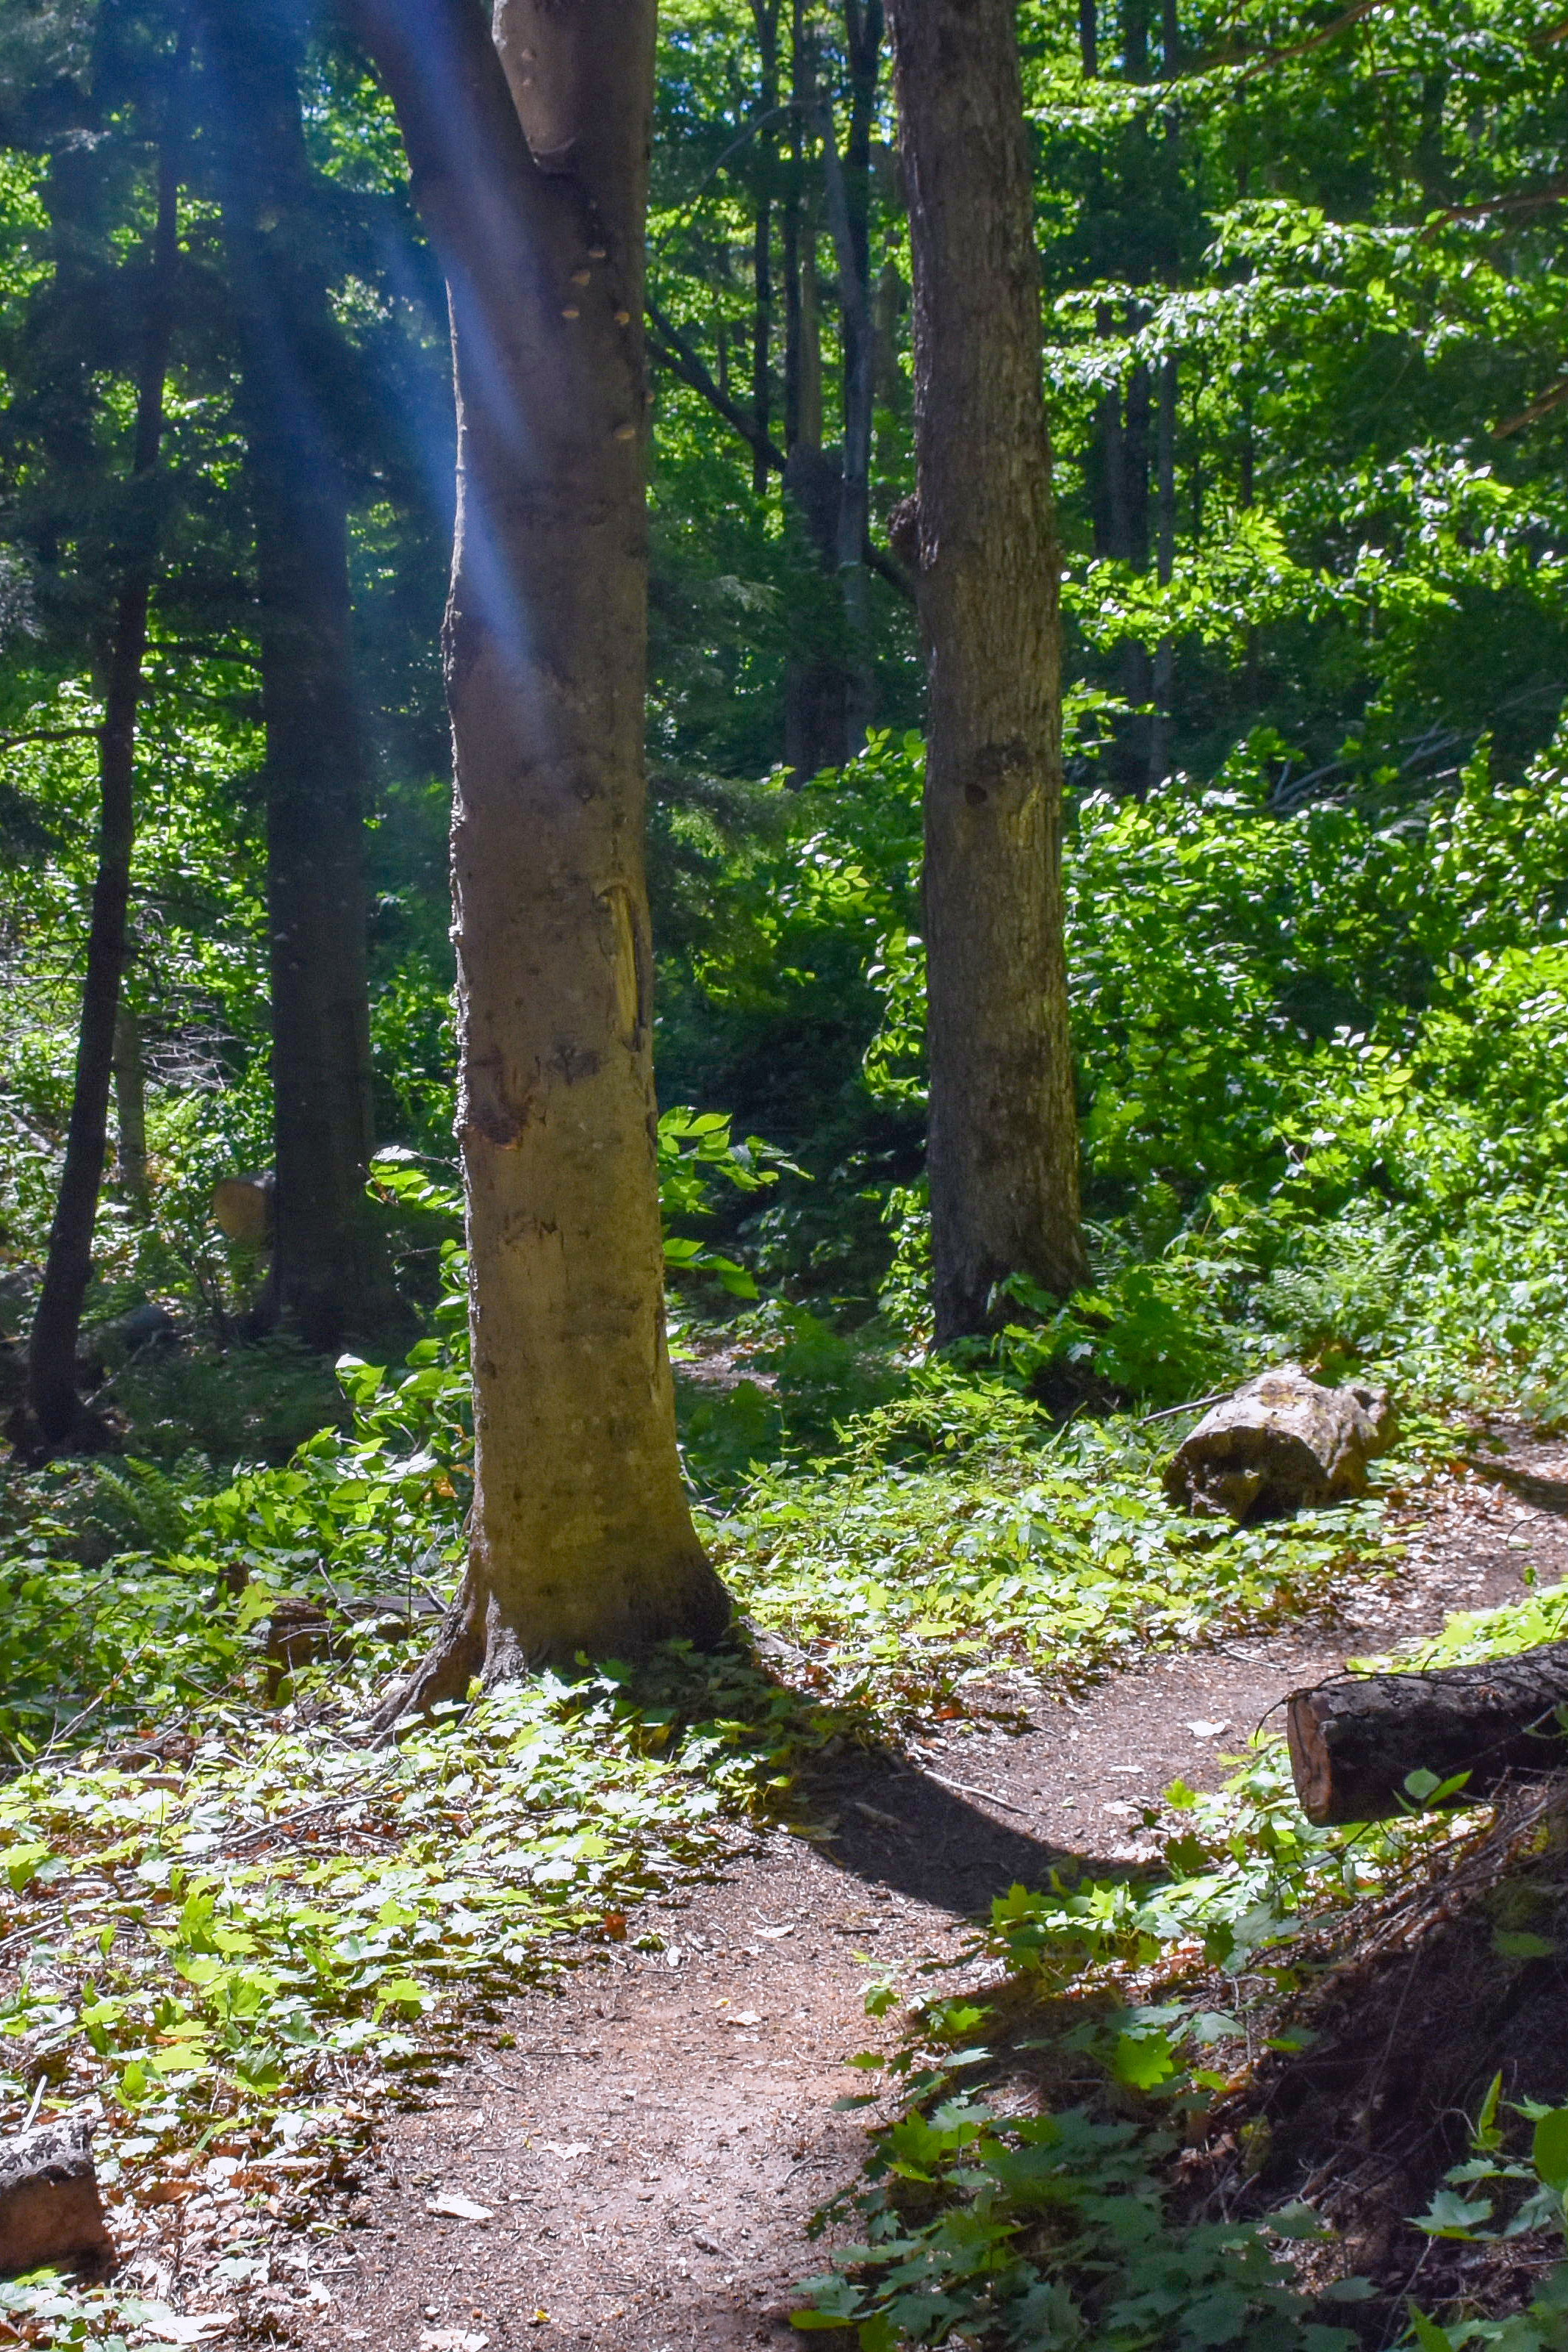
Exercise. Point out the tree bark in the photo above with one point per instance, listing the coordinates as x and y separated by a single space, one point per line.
51 1355
1354 1742
765 14
130 1107
1164 678
532 181
1003 1149
853 524
326 1283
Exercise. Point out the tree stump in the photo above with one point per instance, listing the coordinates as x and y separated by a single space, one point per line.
1354 1743
1282 1444
50 2211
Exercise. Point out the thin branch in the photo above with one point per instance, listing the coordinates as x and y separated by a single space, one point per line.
50 735
886 565
1342 24
1537 408
667 347
1202 66
678 228
1525 200
678 355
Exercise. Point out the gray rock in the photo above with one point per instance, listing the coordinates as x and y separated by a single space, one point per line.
50 2211
1282 1444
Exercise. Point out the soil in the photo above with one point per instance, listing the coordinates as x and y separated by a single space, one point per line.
650 2143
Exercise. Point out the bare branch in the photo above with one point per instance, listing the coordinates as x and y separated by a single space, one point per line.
1523 200
678 355
50 735
1537 408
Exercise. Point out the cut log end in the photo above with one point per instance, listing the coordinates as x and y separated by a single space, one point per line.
1311 1764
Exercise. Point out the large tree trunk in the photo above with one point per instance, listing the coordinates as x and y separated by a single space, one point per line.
326 1278
1003 1152
51 1362
581 1537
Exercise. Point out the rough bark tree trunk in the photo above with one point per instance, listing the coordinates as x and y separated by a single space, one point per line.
326 1283
1354 1742
1003 1149
51 1355
532 181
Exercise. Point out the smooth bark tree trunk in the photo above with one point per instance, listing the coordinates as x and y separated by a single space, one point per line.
532 181
51 1355
1354 1742
326 1283
1003 1145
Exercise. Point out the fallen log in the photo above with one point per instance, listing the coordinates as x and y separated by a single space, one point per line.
50 2211
1354 1742
1283 1443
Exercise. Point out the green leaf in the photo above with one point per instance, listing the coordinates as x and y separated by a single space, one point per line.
1549 2149
1143 2060
1518 1944
1428 2334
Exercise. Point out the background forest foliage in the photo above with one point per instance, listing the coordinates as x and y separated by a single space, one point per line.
1304 293
1296 317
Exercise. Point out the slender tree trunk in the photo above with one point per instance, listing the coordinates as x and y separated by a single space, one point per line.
129 1106
765 13
533 184
791 232
815 720
1003 1151
854 484
68 1267
1164 566
1089 37
326 1283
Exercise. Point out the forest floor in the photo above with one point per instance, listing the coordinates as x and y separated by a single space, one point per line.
634 2160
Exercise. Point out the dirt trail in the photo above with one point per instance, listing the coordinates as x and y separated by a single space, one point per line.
652 2144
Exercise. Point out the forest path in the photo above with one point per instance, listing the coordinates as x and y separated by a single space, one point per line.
654 2140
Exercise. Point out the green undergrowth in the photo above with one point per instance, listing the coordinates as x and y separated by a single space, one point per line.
991 2215
957 1534
242 1928
240 1924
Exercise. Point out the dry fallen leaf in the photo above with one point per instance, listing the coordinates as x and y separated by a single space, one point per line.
450 2339
567 2147
456 2207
